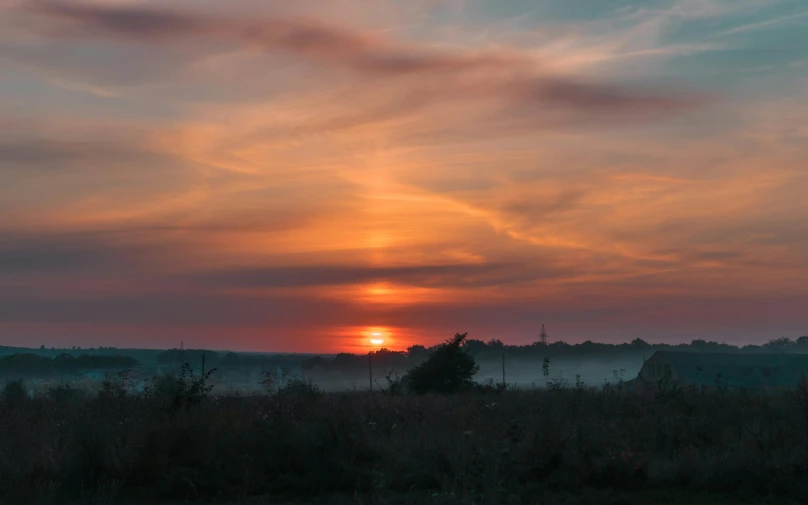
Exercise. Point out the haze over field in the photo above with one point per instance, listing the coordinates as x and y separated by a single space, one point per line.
297 176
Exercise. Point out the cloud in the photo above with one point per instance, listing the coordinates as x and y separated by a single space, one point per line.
541 209
28 141
761 25
226 321
433 75
449 275
128 21
168 309
44 152
75 254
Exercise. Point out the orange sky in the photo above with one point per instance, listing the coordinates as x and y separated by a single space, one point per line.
295 176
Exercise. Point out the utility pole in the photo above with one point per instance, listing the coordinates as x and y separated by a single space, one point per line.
370 370
543 335
203 365
503 367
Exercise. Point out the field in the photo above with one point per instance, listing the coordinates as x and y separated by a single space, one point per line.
517 447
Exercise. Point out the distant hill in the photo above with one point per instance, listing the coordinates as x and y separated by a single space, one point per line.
6 350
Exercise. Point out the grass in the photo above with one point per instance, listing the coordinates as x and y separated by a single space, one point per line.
568 447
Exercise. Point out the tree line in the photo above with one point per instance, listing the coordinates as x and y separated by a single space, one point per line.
29 362
494 349
32 365
213 359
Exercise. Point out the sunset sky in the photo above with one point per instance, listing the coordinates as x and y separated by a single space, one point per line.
298 175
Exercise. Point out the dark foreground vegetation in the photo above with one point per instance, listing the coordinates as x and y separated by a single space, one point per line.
567 446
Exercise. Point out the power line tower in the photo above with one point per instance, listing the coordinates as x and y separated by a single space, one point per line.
543 336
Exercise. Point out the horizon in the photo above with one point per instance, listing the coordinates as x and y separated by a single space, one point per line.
374 348
316 175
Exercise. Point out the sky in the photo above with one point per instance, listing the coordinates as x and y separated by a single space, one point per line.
297 176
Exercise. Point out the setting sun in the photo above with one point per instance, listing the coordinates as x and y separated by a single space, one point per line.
376 338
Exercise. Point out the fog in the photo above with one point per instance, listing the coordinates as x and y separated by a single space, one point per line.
593 372
521 373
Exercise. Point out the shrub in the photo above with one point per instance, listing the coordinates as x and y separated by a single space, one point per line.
490 386
183 390
519 447
396 386
64 393
281 383
302 388
114 387
15 392
448 369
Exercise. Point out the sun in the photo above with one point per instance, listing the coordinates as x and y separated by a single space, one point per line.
376 338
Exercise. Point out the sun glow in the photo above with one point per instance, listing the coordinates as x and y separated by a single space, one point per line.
376 338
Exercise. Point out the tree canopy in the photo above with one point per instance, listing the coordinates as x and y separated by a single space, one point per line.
31 365
448 369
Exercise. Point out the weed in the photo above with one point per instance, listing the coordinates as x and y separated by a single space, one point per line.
296 445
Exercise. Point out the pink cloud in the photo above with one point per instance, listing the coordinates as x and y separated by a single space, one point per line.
508 76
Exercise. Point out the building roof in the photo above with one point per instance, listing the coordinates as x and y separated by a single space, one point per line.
736 369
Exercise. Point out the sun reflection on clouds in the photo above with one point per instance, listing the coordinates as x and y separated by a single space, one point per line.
390 294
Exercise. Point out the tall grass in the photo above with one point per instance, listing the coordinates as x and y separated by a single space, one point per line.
510 447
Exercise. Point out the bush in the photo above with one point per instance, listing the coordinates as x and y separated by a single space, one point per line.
281 383
302 388
178 391
448 369
396 386
64 393
15 392
114 387
490 387
515 448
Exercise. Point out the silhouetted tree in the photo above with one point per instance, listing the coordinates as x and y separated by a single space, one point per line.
64 363
177 357
711 346
639 343
14 393
495 343
347 362
31 365
25 365
474 347
778 344
449 369
386 360
314 362
416 352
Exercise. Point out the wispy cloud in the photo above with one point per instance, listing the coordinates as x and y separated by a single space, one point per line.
507 74
762 25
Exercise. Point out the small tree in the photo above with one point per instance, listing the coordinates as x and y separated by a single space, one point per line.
286 389
14 393
180 391
114 387
448 369
779 344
